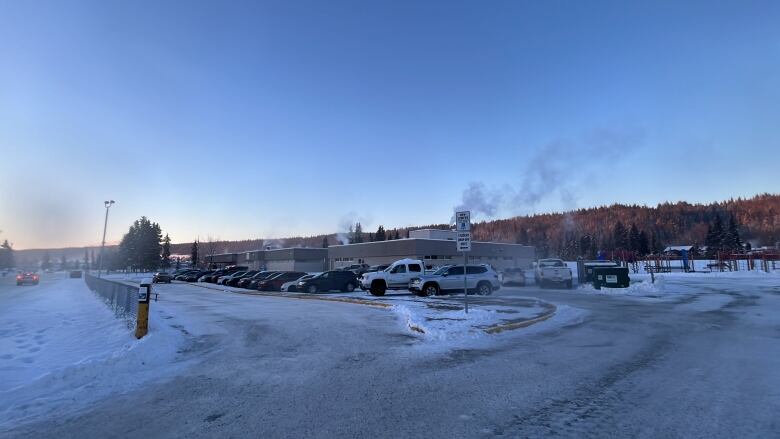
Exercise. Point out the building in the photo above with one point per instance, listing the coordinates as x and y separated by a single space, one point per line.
434 252
221 260
448 235
286 259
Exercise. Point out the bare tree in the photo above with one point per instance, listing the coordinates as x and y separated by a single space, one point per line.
211 249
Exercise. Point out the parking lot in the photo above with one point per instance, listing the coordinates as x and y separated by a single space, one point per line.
237 364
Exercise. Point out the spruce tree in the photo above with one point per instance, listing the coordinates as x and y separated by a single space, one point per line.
325 242
731 238
380 234
194 253
166 252
644 244
6 255
620 237
633 238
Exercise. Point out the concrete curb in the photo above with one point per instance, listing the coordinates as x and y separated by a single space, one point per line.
495 329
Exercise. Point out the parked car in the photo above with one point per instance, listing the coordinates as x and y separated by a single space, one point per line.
27 278
224 272
552 272
162 277
274 283
480 279
181 276
358 269
224 279
204 275
75 274
233 281
394 277
328 281
292 286
514 276
251 283
193 277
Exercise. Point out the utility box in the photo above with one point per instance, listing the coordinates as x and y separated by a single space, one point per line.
585 269
610 277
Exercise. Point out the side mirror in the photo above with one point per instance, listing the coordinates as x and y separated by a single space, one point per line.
445 274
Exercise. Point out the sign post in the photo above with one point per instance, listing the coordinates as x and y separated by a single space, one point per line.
463 229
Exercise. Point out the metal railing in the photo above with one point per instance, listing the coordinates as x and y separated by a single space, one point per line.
121 298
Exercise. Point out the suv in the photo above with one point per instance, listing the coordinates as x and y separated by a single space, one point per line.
394 277
481 279
358 269
330 280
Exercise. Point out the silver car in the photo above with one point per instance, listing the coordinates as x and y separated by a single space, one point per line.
480 279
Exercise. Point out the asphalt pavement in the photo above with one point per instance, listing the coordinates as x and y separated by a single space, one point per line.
631 368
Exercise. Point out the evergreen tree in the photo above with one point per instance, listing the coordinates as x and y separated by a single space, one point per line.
620 237
633 238
358 233
6 255
397 235
380 234
166 252
644 244
325 243
140 248
522 237
714 239
370 237
731 239
194 253
63 261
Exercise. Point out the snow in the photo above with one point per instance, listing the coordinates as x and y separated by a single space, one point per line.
63 349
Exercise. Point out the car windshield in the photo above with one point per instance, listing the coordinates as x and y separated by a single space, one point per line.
551 264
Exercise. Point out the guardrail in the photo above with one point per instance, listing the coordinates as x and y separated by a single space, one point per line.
121 298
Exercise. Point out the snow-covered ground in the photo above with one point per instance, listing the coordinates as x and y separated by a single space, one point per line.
220 364
62 349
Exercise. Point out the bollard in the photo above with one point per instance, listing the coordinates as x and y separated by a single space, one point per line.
144 294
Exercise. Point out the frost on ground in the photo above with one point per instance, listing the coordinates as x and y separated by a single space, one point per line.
63 349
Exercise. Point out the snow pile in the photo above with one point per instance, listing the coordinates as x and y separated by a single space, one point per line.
66 350
643 288
443 325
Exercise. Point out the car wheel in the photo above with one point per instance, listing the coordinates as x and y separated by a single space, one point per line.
431 290
312 289
350 287
378 289
484 289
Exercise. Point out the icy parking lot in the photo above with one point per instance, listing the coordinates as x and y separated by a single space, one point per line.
690 356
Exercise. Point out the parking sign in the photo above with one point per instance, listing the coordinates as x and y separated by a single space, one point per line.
464 241
463 221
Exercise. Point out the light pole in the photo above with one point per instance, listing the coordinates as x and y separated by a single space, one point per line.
108 205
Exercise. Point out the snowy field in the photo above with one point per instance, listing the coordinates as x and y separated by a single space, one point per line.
631 362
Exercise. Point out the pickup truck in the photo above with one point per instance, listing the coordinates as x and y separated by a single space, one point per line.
552 272
395 277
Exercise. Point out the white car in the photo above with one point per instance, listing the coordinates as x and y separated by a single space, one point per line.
395 277
292 286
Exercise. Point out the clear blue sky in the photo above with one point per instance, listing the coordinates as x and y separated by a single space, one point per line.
269 119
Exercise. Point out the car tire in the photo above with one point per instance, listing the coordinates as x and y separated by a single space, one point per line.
430 290
378 289
311 289
350 287
484 289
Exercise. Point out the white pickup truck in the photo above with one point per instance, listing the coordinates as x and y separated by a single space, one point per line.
552 272
395 277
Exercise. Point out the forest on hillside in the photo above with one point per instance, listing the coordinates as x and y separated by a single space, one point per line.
563 234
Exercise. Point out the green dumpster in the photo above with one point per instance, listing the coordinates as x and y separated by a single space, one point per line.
610 277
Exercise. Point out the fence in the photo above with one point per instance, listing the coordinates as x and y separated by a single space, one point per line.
120 297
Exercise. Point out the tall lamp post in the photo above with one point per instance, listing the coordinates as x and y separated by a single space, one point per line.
108 205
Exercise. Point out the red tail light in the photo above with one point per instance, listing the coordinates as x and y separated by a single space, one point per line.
18 277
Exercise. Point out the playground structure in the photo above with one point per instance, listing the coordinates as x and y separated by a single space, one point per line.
725 261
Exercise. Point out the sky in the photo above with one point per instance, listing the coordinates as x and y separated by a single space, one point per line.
241 120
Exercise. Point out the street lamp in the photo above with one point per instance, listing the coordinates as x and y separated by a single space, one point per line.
108 205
